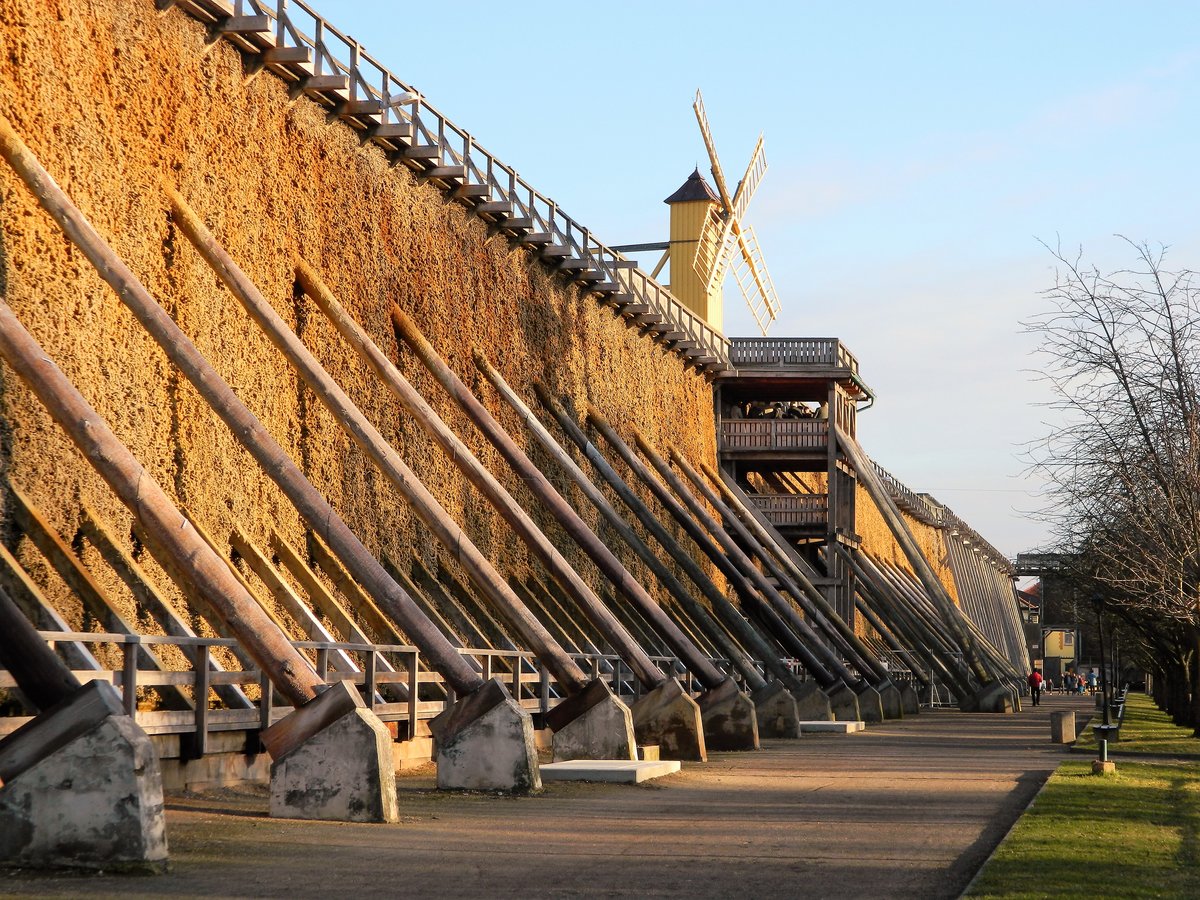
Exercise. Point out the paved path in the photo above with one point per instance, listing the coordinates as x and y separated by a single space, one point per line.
906 809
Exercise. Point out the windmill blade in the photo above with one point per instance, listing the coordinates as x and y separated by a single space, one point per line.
709 245
726 244
718 175
751 180
754 281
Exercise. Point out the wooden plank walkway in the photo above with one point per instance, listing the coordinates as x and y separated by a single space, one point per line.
908 809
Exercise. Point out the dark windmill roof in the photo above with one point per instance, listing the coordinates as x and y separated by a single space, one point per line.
695 188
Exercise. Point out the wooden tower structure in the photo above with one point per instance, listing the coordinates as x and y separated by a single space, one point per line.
777 409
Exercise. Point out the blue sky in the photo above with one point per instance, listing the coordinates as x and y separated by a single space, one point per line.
917 153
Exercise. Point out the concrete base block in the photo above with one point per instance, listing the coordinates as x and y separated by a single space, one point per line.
1062 727
994 697
485 743
592 724
890 699
1104 767
670 718
343 773
812 704
729 718
614 771
843 702
92 800
775 708
909 701
870 704
832 727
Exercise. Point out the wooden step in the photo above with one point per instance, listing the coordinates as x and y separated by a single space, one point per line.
573 264
391 131
360 108
517 224
472 192
324 84
537 237
635 309
287 55
446 173
605 287
245 25
422 151
495 208
553 251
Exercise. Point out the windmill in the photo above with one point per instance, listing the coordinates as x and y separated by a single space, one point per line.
724 242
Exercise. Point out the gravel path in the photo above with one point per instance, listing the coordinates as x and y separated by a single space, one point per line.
906 809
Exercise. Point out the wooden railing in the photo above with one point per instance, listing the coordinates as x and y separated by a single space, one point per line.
333 69
527 680
919 506
826 353
793 510
773 434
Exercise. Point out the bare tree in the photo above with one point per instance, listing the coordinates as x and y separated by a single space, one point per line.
1124 467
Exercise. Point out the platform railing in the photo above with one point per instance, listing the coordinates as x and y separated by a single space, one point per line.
529 682
827 353
773 434
305 46
793 510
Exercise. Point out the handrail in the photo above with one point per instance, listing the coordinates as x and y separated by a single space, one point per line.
804 351
376 99
773 434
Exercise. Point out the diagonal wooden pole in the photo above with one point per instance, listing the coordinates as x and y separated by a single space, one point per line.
591 605
155 512
691 655
248 430
352 420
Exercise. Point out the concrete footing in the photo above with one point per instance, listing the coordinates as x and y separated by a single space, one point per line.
670 718
909 701
1104 767
890 700
812 703
870 703
82 789
485 743
335 764
729 718
843 703
592 724
776 711
613 771
994 697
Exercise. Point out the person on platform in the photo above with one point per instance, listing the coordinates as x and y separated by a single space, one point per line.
1035 685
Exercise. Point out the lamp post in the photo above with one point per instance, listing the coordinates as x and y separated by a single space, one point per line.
1103 765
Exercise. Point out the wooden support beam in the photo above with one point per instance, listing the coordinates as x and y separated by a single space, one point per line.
140 493
94 598
781 641
148 597
912 552
655 616
38 610
388 461
43 678
576 528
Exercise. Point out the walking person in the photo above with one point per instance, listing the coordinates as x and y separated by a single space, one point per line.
1035 685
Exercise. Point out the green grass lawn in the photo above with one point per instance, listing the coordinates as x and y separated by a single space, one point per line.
1133 834
1146 729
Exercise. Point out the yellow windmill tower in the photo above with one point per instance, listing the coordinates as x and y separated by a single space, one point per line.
708 238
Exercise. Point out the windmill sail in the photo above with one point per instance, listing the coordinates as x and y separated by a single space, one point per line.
755 282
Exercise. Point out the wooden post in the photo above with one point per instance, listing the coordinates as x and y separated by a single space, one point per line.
200 664
592 607
691 655
43 678
355 424
733 619
152 508
129 670
796 634
933 586
772 544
